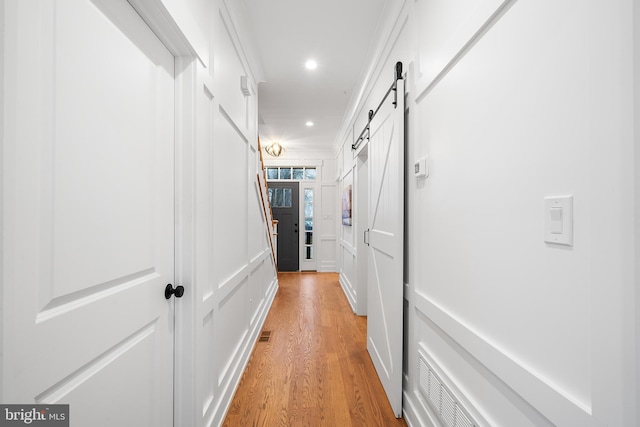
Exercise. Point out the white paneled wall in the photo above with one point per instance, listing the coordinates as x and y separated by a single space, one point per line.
242 283
328 217
514 101
348 248
229 265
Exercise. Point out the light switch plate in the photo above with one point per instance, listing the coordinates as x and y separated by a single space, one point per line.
558 220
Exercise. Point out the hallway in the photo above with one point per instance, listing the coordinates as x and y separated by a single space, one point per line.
492 185
314 370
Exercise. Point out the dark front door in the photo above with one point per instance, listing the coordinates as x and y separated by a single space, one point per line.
285 207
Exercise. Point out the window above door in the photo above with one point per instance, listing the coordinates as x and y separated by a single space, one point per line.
291 173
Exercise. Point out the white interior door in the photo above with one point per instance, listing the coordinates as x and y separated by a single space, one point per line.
88 222
385 237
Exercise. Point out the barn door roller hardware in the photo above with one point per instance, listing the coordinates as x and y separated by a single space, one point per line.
394 88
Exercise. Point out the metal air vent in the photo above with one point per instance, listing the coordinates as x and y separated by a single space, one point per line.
440 397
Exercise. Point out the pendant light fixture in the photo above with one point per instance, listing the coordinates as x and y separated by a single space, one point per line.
274 149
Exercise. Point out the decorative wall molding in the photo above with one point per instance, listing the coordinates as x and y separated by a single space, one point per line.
551 401
242 132
164 25
349 248
241 358
415 409
397 16
246 47
347 287
425 83
328 267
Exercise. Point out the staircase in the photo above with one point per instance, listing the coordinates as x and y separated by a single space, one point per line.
272 224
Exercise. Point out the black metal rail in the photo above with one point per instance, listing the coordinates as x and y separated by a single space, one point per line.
394 88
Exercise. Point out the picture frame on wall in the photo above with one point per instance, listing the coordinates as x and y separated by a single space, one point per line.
346 206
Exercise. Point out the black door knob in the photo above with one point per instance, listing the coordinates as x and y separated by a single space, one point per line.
169 290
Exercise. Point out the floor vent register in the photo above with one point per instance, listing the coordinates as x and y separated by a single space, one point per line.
265 336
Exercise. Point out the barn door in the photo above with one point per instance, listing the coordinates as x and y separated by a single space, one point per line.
88 202
385 239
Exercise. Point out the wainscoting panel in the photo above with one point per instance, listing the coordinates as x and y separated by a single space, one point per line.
445 338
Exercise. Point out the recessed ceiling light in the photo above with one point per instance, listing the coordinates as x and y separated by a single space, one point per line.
311 64
309 123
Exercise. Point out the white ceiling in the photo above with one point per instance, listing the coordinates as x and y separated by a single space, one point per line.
338 35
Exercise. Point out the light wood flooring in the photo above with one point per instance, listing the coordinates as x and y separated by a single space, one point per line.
314 370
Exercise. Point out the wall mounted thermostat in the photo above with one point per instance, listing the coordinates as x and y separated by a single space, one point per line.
558 220
420 168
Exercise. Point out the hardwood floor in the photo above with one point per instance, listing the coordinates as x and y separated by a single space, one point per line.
315 369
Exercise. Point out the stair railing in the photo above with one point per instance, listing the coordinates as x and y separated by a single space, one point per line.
272 224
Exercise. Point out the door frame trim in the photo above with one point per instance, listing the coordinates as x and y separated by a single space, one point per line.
186 63
185 393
